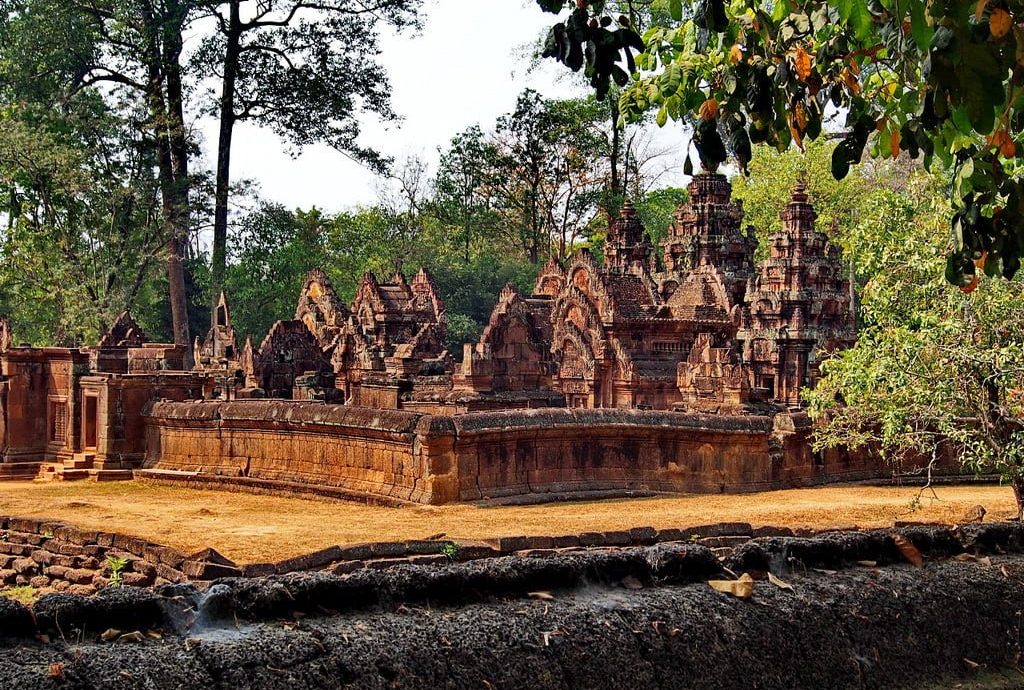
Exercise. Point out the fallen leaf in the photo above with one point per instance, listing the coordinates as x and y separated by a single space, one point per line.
742 588
132 637
110 634
966 558
868 564
781 584
972 664
735 53
908 550
543 596
55 670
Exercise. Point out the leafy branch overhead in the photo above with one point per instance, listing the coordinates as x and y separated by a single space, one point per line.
585 41
941 81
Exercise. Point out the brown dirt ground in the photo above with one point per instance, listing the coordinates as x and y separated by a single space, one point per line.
251 528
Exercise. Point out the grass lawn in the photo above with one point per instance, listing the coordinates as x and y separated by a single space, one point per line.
251 529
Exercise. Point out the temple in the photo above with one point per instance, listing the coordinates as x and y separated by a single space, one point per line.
701 328
696 327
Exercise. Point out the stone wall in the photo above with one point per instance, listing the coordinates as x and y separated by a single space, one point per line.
392 455
47 554
366 451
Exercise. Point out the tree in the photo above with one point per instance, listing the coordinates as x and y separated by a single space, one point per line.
83 231
548 173
933 370
55 53
302 68
940 80
463 198
272 251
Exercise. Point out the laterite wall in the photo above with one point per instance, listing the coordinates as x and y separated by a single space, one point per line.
404 456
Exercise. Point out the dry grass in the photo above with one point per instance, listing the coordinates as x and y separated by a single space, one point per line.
250 528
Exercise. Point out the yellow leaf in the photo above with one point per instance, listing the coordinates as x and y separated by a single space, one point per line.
709 110
742 588
894 143
802 62
1000 22
735 54
854 67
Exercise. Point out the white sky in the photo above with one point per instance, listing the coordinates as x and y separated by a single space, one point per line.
466 67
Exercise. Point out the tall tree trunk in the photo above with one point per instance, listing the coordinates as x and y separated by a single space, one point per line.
178 150
170 186
227 126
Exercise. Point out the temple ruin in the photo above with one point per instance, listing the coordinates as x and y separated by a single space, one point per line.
698 339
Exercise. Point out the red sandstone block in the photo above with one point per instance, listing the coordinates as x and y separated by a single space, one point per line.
567 541
80 576
204 570
75 535
513 544
592 539
42 557
136 580
259 569
8 577
164 555
58 572
29 525
169 574
25 566
617 538
65 548
132 545
16 549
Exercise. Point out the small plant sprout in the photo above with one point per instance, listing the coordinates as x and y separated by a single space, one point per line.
450 550
117 566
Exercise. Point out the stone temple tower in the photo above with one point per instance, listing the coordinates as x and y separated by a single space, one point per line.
707 231
798 306
627 249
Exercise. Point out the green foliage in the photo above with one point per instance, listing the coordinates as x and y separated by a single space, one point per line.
82 233
22 594
941 81
450 550
116 566
933 369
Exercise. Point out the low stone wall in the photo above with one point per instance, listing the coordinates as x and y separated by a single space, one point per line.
364 451
389 455
47 554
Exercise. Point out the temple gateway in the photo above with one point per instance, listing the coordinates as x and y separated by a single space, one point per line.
676 368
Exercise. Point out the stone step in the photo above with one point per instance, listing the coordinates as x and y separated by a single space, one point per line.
47 472
110 475
65 474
